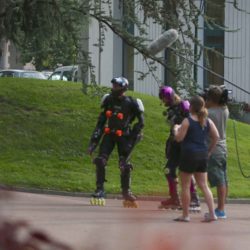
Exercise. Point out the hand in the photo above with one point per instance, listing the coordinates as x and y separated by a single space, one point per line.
91 148
176 128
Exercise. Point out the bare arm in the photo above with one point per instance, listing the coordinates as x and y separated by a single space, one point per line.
214 136
180 131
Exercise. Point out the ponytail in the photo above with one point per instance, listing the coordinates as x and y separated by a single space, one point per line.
197 106
202 115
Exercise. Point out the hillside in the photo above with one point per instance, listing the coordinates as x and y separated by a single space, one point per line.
45 127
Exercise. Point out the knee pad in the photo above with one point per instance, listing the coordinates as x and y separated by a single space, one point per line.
170 173
100 161
125 166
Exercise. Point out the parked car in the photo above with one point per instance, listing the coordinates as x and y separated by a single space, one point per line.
21 73
47 73
65 73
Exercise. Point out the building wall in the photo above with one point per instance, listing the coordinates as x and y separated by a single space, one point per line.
108 61
237 45
148 85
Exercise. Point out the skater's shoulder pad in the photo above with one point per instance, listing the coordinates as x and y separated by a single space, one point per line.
104 99
140 104
137 103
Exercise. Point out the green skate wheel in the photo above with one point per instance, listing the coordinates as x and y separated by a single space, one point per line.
99 202
92 201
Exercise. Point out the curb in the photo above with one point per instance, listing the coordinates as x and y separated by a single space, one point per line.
109 196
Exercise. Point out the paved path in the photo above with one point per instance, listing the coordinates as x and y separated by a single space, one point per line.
73 221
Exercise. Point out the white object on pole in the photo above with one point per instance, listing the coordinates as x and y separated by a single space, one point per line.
165 40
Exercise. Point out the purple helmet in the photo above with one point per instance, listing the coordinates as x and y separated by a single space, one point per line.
185 105
166 92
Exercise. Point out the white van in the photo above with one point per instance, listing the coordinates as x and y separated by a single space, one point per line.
65 73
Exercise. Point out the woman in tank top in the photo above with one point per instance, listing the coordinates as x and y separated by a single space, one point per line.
194 133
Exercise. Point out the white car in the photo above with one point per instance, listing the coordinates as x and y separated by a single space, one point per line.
65 73
47 73
21 73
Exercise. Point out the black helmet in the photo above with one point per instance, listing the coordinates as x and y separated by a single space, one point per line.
121 81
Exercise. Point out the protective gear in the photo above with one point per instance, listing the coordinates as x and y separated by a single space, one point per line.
115 123
98 132
99 193
120 113
94 140
100 163
167 93
128 195
98 198
125 179
124 164
121 81
174 201
122 84
140 104
129 199
172 152
185 105
175 114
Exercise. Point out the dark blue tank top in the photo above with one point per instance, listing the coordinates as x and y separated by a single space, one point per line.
196 137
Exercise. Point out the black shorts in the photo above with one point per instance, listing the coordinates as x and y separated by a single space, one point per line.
193 162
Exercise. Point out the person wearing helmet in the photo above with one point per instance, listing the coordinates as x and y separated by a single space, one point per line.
177 110
116 126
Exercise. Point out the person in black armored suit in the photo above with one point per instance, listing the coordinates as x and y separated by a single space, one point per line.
177 110
116 126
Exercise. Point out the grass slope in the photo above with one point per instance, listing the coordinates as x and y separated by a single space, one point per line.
45 127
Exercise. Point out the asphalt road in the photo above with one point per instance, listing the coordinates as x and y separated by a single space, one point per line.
73 221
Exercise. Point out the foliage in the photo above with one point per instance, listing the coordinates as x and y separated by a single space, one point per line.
44 31
39 27
45 129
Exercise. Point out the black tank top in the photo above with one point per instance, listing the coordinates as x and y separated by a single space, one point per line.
196 137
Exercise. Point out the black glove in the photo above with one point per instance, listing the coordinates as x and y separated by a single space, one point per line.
91 148
95 138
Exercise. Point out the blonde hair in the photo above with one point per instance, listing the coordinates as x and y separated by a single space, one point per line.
197 106
177 99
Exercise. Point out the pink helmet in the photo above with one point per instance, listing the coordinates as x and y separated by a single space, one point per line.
185 105
166 92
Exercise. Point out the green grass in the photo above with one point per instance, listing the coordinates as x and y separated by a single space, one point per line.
45 128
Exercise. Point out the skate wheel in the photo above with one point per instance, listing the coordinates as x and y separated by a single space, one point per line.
168 207
101 202
130 204
92 201
97 201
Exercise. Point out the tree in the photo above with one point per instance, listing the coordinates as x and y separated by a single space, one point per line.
38 25
45 31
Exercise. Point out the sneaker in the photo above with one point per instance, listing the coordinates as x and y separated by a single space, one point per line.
207 218
182 219
220 214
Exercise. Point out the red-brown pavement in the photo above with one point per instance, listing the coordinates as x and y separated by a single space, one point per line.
72 220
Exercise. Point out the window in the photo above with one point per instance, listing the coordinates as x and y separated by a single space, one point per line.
214 39
55 76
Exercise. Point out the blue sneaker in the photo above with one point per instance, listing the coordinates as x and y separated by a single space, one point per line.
220 214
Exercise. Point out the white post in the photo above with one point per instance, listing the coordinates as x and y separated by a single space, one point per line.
5 54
